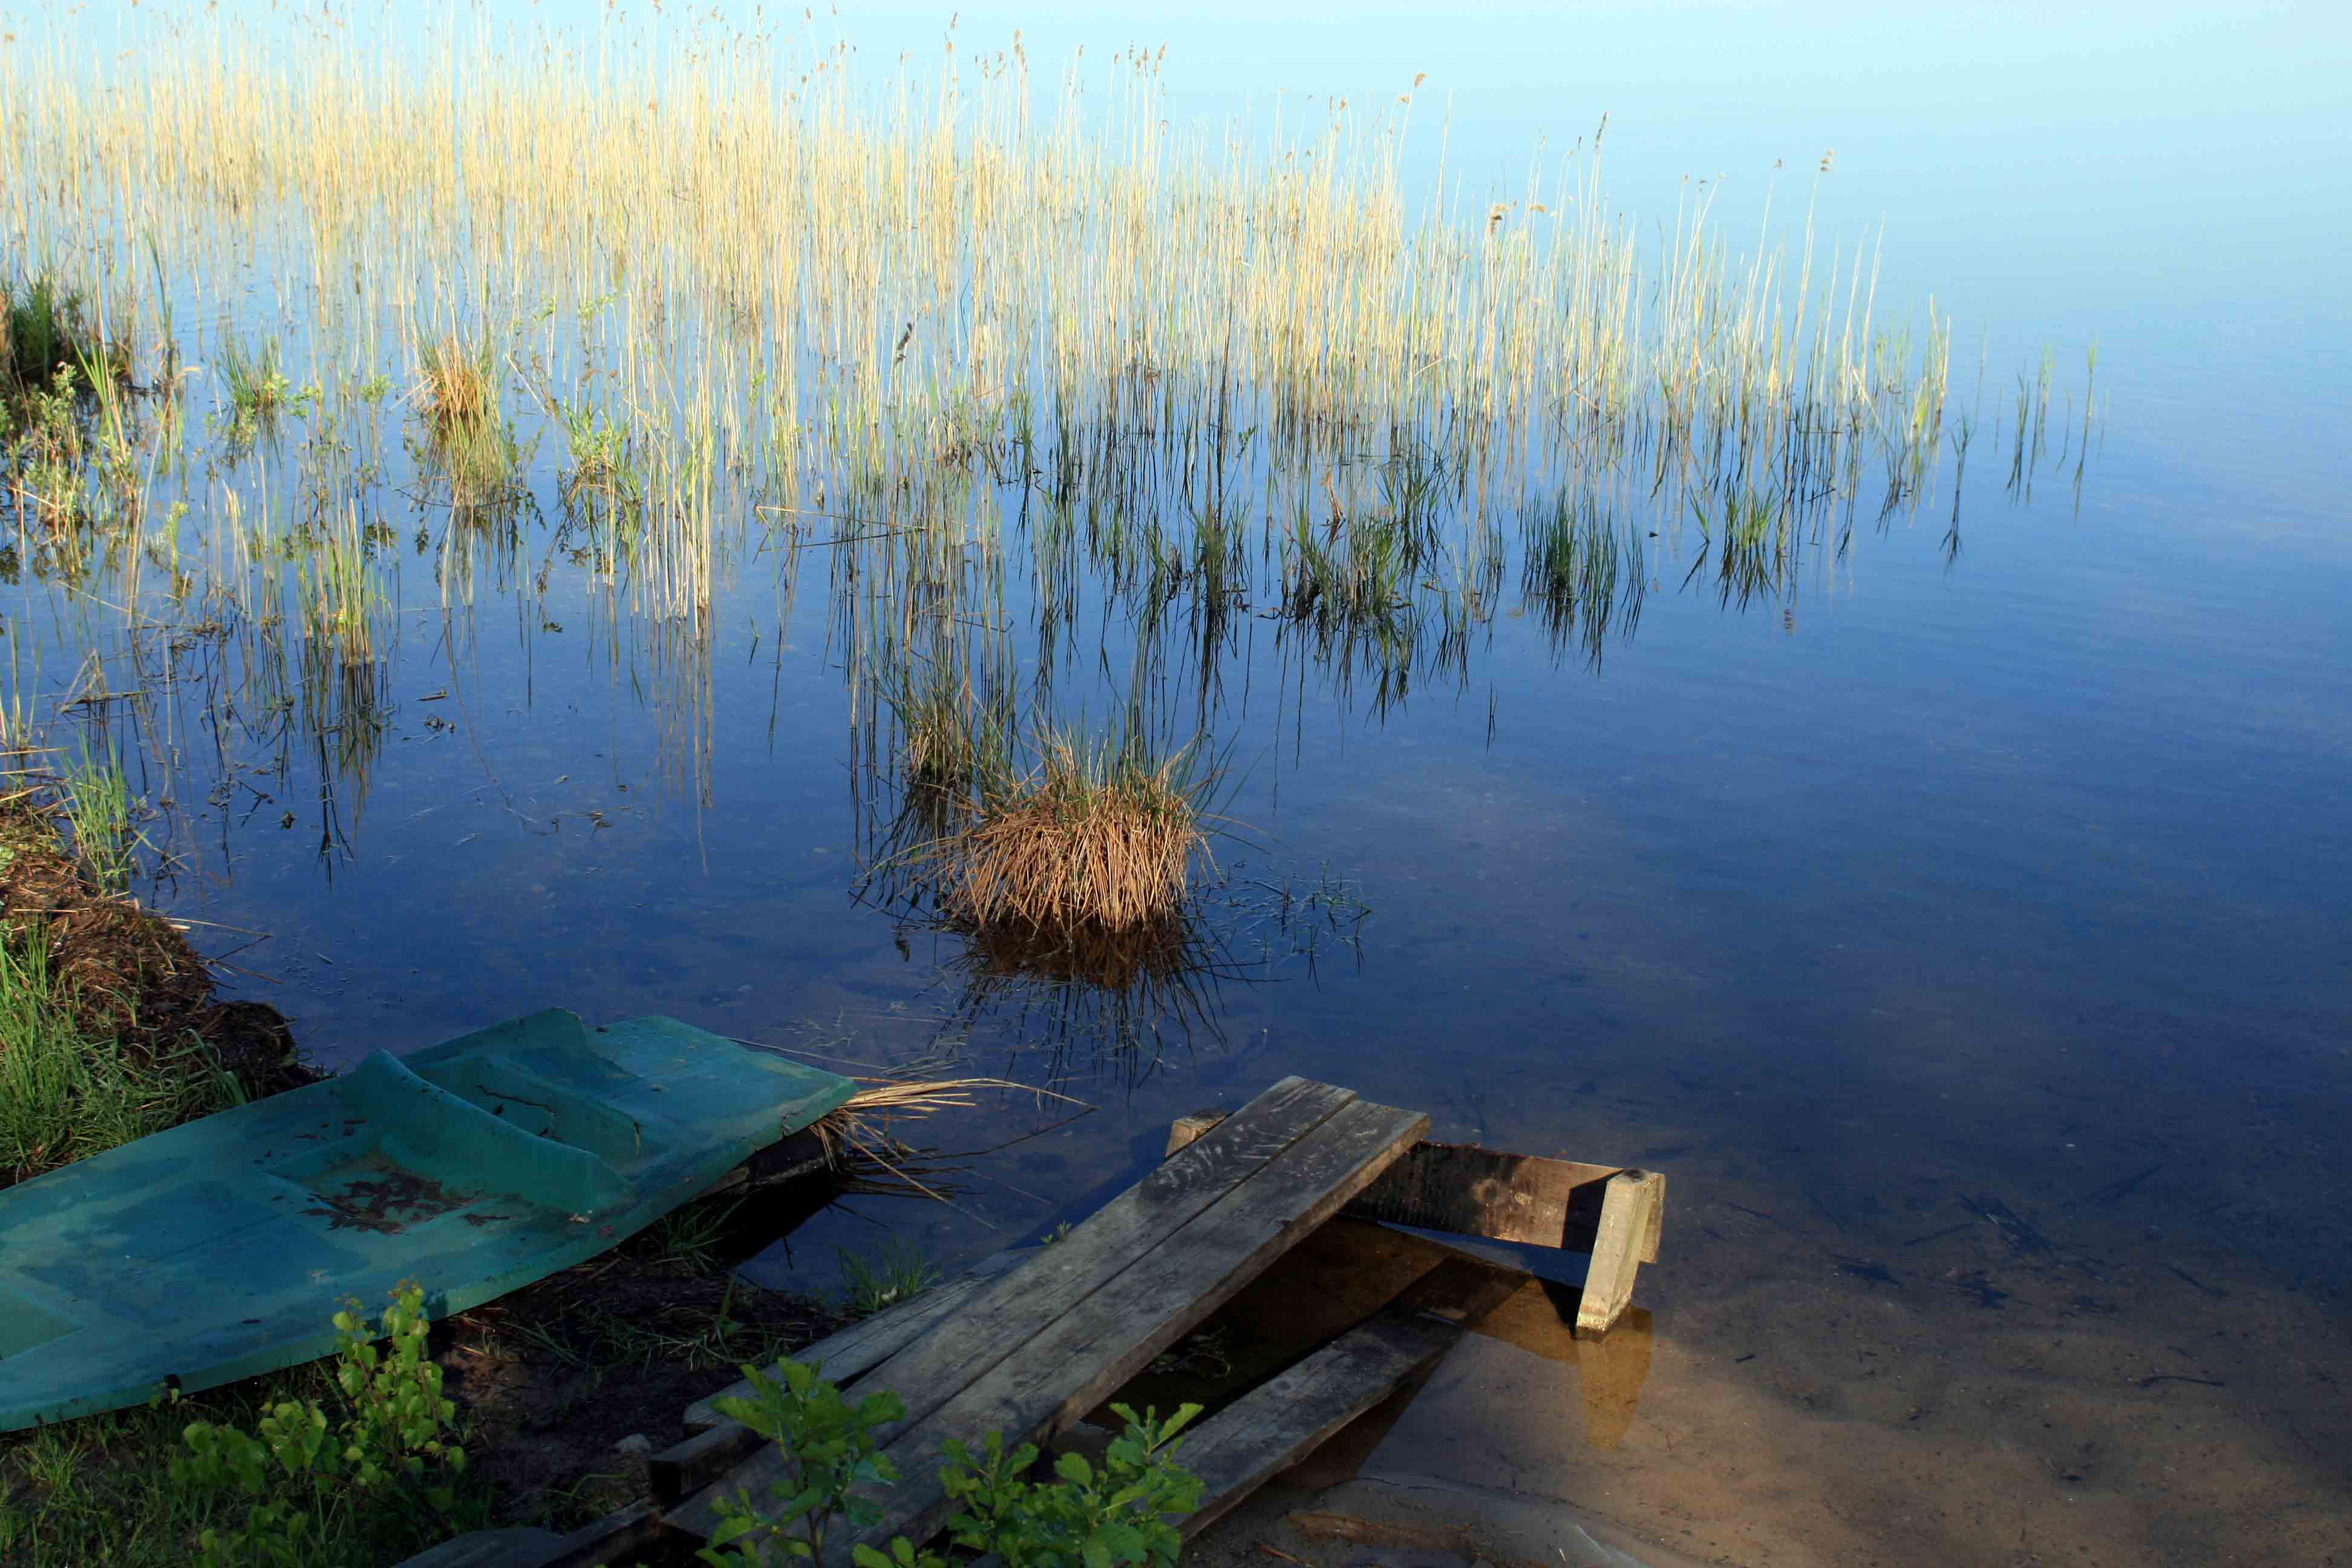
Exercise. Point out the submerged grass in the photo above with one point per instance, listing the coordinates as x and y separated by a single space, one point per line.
896 1271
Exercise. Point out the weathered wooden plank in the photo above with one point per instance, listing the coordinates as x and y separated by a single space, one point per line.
1290 1416
521 1547
1012 1313
1628 1226
617 1539
1093 1349
1009 1315
1471 1191
1657 1221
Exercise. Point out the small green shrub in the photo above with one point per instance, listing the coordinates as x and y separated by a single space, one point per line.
380 1480
828 1448
1116 1516
1120 1515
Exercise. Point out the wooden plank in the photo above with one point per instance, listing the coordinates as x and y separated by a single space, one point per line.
1657 1223
1492 1193
1011 1314
1290 1416
1470 1191
521 1547
1090 1351
1628 1225
617 1538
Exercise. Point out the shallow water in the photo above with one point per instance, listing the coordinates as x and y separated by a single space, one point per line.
1962 933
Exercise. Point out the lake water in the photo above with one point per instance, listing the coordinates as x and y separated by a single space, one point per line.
1962 931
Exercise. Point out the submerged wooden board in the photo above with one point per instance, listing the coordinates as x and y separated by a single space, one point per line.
1238 1198
1001 1317
1288 1417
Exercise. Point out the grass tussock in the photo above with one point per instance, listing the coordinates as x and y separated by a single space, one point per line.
255 380
65 1093
1096 833
109 1030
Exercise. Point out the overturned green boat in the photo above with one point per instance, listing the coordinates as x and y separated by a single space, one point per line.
221 1249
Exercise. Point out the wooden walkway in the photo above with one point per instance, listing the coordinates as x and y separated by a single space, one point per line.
1028 1343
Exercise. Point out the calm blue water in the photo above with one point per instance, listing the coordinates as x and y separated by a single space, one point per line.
1932 888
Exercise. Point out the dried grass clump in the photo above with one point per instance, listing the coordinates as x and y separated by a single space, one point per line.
1094 835
861 1126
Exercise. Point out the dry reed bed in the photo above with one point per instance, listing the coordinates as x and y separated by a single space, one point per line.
781 267
727 291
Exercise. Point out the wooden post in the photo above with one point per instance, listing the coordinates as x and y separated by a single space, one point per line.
1186 1129
1628 1238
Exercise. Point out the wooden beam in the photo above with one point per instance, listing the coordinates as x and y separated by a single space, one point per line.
1282 1421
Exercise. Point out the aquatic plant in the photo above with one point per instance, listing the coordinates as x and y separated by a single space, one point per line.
258 387
896 1271
36 332
456 389
96 801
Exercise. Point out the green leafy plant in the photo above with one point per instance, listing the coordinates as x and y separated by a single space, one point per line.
381 1478
828 1448
1115 1515
1119 1515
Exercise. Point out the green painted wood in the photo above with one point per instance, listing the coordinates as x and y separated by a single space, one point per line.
222 1248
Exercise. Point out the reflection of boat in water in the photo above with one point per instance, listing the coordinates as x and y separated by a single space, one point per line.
220 1248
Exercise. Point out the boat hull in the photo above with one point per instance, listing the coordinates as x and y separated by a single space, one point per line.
222 1247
